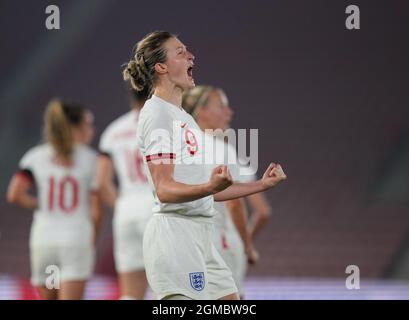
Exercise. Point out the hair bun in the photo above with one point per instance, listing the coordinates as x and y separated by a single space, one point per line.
133 74
132 68
140 70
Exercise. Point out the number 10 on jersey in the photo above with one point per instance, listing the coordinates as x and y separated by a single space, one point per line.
62 194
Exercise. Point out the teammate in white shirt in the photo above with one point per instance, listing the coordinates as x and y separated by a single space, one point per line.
67 210
181 261
210 108
120 156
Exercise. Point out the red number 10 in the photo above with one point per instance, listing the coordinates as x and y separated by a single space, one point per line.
62 192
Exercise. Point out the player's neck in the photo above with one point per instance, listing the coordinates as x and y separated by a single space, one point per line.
171 94
62 161
137 106
78 137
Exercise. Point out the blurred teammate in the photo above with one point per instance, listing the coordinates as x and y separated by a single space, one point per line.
181 260
67 211
260 210
210 108
120 155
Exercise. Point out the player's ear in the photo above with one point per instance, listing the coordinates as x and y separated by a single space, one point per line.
161 68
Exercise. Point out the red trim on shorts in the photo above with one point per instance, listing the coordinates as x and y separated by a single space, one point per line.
160 156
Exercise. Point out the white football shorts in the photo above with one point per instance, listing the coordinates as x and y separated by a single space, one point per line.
180 258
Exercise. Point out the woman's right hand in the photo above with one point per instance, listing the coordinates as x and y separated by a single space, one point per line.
220 179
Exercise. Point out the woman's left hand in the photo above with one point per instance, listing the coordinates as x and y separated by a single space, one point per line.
273 175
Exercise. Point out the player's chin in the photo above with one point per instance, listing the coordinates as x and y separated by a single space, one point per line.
191 83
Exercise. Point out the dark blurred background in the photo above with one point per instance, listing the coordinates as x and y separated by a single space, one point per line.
331 106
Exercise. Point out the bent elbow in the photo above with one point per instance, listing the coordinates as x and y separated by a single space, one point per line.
162 196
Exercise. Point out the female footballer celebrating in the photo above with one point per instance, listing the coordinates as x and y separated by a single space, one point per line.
181 261
67 209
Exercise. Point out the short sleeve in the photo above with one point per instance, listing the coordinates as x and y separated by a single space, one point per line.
105 144
26 165
156 136
28 160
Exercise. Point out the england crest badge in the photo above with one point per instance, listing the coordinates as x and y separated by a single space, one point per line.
197 280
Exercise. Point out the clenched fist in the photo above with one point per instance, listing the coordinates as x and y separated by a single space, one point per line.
273 175
220 179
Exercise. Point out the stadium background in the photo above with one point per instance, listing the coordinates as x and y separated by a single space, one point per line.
330 104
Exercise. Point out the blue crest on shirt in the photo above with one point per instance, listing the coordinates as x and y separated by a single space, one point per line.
197 280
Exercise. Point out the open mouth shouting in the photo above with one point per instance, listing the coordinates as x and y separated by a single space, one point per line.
190 73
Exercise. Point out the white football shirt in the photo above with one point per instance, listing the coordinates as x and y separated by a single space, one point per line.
168 133
119 142
63 192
